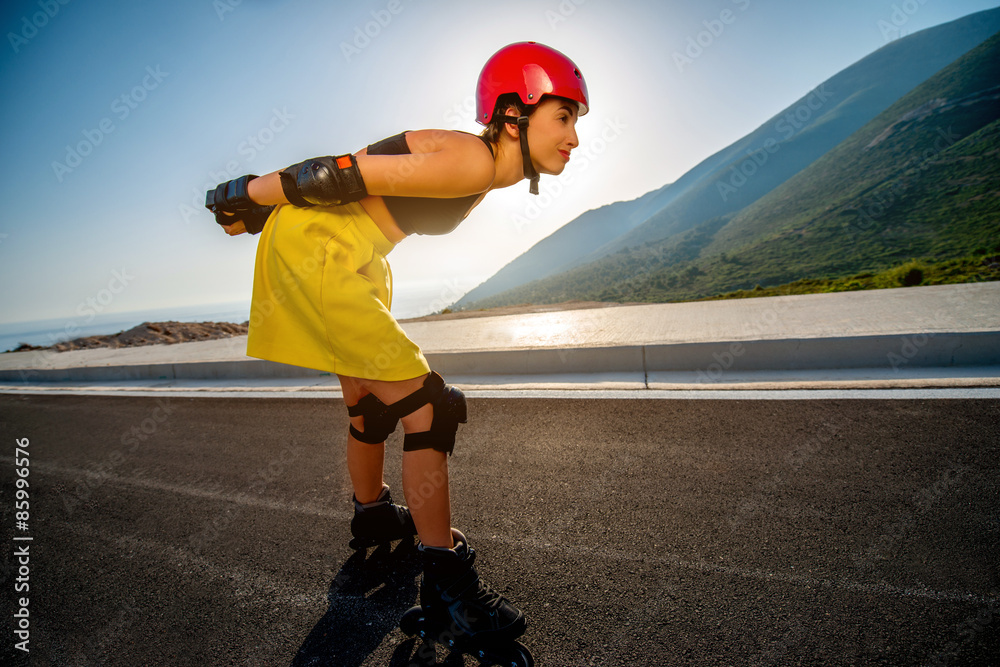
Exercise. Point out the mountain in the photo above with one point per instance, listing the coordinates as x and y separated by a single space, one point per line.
739 175
920 180
565 248
813 125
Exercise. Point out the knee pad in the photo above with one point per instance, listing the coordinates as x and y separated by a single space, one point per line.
379 420
450 410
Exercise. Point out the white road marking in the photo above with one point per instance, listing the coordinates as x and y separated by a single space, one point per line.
534 545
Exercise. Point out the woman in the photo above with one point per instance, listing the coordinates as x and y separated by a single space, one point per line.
322 291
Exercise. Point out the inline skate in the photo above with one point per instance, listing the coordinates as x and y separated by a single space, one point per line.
380 522
457 610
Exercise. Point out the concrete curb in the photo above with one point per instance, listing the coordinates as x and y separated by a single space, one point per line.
882 351
917 350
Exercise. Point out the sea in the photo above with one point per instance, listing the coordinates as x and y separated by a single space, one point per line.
56 330
412 301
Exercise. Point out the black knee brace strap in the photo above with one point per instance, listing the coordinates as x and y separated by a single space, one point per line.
450 410
379 420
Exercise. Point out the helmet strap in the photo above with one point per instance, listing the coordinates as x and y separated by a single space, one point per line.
529 168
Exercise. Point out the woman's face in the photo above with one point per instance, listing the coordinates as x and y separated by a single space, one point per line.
552 134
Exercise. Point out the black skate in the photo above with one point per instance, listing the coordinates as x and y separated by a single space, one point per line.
380 522
462 613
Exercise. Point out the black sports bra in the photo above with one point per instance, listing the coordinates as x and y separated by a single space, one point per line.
423 215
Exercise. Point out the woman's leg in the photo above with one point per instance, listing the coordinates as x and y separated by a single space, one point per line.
425 471
364 462
448 559
425 485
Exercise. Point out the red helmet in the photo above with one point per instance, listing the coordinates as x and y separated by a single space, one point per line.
530 70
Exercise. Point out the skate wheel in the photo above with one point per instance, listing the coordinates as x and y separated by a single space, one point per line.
516 655
412 621
521 657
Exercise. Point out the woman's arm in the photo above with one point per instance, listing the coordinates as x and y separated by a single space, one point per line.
266 190
442 164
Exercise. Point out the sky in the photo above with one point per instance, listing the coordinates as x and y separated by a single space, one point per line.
119 115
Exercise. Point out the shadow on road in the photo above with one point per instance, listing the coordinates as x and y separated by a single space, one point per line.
370 592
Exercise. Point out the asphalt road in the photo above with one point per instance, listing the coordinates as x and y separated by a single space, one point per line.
214 531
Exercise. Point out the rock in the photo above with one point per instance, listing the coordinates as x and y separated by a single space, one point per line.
152 333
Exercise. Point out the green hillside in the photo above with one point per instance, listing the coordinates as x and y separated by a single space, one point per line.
777 150
563 249
810 127
920 181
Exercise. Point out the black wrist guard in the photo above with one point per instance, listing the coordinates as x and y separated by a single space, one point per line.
231 196
323 181
253 219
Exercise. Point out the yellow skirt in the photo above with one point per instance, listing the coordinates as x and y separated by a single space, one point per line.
322 290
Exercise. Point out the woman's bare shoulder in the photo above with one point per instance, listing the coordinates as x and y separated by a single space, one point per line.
442 163
432 141
463 157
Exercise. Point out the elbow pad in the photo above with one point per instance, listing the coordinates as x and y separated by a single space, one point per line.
323 181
